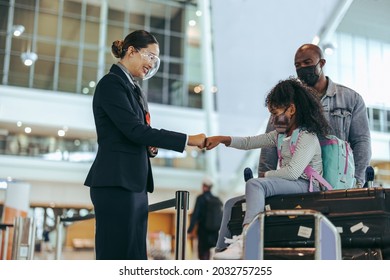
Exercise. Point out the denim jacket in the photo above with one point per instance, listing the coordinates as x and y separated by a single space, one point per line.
347 115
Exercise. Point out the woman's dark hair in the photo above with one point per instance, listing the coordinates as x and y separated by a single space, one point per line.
139 39
309 112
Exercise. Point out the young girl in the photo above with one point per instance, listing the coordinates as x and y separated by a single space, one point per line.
292 106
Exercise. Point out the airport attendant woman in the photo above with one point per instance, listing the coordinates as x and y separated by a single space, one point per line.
121 175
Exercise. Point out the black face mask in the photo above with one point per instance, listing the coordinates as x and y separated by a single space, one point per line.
308 74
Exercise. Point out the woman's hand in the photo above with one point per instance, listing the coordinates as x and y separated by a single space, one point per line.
214 141
152 151
198 140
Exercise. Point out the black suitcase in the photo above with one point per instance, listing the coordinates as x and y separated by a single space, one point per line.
361 215
237 217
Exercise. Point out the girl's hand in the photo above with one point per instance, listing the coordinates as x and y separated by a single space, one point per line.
214 141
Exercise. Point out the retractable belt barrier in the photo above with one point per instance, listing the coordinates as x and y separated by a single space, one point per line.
181 204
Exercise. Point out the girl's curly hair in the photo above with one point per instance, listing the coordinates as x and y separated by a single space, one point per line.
309 111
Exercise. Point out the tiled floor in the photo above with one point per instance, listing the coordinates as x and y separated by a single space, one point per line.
67 254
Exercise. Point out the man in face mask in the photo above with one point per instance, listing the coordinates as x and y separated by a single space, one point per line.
343 108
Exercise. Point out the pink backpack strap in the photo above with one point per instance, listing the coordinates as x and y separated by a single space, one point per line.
293 143
311 173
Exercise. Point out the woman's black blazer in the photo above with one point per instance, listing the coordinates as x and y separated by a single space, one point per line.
123 136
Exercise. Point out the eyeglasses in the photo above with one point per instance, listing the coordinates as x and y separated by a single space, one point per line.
151 59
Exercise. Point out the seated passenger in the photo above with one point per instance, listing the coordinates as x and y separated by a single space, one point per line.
292 106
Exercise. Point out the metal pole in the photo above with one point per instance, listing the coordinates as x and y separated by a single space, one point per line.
8 42
59 237
32 234
261 243
16 239
317 238
208 83
5 249
182 205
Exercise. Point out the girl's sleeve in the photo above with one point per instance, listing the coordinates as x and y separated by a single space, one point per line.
254 142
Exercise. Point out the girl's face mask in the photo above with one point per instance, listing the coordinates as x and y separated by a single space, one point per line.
281 122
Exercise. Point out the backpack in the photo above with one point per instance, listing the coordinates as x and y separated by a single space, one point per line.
338 165
212 213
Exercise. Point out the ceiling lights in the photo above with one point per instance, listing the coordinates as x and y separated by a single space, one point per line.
17 30
29 58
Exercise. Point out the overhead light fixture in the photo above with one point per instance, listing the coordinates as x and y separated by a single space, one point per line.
29 58
328 48
17 30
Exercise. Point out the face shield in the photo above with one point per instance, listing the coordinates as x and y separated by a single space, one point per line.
152 60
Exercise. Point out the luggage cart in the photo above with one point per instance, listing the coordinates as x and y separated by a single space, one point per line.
327 241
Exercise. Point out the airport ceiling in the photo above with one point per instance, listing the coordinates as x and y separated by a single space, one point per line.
368 18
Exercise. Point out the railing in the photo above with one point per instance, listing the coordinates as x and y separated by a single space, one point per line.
23 239
4 231
181 204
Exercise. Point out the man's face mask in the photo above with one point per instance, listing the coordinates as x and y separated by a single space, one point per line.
281 122
308 74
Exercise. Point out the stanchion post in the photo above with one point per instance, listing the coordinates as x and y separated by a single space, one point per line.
16 238
23 244
59 238
182 205
33 228
5 248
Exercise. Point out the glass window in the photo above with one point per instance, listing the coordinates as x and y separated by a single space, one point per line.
114 33
71 29
27 3
68 77
116 16
48 5
92 32
18 72
47 25
194 96
176 92
47 49
4 18
137 21
161 43
72 9
176 68
1 60
155 90
387 122
26 18
43 75
123 17
93 11
157 18
89 80
376 119
69 53
110 59
91 56
176 45
177 19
